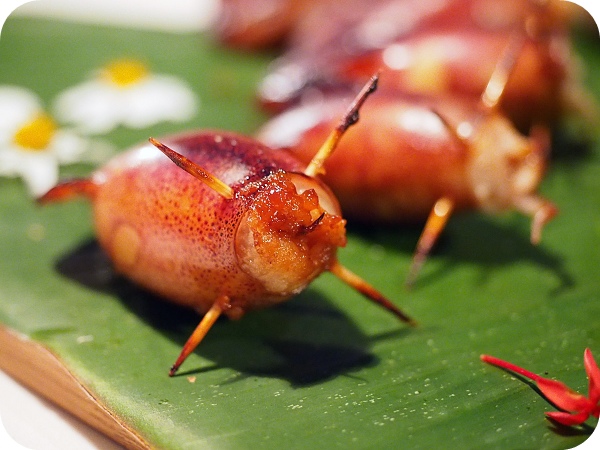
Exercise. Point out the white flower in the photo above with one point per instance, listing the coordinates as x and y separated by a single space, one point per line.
31 144
125 93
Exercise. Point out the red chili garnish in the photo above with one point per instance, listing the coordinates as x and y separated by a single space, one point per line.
576 408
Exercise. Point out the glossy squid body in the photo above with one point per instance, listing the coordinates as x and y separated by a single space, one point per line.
409 152
220 222
540 88
176 236
256 24
411 159
252 24
450 47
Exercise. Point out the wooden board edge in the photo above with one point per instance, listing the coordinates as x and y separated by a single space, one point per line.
40 370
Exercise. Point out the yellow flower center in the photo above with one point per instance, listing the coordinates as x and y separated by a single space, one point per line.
124 72
36 135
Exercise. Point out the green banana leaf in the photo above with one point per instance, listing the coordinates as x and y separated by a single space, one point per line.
327 369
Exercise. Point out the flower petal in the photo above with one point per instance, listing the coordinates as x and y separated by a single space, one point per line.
97 107
157 99
562 396
17 106
593 374
509 366
9 162
39 171
568 419
68 147
91 106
